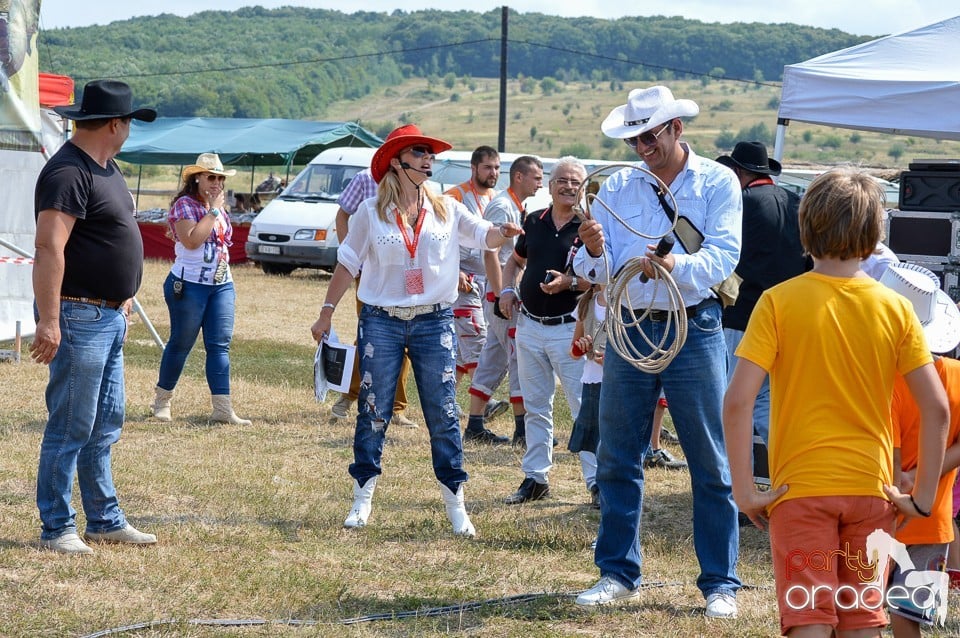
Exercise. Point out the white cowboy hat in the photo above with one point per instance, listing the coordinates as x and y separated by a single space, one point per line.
644 110
938 314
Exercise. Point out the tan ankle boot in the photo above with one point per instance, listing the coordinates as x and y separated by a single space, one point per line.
161 404
223 411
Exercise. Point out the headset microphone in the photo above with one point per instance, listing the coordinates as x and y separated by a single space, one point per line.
407 166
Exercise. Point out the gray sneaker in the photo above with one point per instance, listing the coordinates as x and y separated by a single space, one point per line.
493 409
68 543
128 535
663 458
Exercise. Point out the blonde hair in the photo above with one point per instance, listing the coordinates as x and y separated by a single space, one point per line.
388 194
585 299
841 215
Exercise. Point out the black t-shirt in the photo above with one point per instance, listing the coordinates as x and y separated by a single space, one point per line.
103 257
547 248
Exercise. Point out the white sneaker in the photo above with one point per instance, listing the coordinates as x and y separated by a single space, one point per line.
608 590
720 605
68 543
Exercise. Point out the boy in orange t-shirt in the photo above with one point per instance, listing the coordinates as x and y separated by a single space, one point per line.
915 595
832 341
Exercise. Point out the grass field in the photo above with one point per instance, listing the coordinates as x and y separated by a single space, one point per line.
250 518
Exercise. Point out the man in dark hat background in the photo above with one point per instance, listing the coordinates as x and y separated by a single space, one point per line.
770 252
88 266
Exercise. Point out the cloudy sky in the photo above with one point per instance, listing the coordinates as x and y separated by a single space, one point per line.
869 17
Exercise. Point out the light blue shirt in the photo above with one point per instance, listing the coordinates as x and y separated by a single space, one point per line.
707 193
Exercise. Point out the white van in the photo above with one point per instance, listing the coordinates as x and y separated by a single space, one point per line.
297 229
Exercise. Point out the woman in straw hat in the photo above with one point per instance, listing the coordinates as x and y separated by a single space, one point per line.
199 289
407 239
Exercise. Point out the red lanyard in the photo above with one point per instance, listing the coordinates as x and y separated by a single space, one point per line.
476 198
516 200
411 245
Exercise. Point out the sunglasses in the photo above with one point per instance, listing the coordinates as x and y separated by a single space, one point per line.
216 178
421 151
647 138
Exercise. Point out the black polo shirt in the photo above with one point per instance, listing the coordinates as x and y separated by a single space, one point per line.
545 247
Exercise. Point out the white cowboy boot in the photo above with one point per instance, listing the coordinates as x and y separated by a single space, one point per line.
223 411
456 511
161 404
362 503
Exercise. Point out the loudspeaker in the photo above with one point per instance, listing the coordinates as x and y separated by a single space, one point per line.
930 190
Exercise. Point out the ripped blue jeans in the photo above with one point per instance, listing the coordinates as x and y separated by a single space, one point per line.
431 343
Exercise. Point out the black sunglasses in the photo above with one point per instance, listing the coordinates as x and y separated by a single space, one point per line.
421 151
647 138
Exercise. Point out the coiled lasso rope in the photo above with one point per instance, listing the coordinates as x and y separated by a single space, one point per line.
619 323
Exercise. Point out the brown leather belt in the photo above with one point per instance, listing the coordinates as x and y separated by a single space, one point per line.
113 305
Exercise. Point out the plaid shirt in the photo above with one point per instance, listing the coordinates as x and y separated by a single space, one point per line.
361 187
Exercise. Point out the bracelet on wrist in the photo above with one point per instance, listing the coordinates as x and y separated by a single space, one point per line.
500 230
506 290
327 304
214 211
917 507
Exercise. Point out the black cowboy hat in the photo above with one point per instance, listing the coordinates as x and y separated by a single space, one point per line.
104 99
751 156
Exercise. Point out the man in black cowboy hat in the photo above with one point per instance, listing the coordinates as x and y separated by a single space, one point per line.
88 266
770 252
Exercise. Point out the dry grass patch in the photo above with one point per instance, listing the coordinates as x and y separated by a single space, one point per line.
249 518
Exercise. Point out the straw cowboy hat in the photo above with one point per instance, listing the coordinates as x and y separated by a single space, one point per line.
937 312
399 139
103 99
646 109
206 163
751 156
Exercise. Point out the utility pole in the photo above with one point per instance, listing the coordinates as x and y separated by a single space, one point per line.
501 139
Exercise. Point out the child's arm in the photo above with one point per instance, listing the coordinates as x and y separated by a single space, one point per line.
738 435
928 392
581 343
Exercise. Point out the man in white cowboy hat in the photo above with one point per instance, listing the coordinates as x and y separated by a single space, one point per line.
771 253
927 539
707 194
88 266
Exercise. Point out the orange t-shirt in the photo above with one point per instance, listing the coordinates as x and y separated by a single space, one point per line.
905 416
832 347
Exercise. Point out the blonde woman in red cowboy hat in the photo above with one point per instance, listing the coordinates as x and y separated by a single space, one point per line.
407 240
199 289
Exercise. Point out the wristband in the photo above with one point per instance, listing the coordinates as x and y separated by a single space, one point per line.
506 290
214 211
917 507
327 304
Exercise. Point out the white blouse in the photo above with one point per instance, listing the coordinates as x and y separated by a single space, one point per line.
379 248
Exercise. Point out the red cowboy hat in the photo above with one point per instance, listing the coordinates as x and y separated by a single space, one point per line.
400 138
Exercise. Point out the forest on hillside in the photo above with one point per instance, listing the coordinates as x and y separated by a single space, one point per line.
294 62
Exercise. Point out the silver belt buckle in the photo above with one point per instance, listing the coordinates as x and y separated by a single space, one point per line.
405 313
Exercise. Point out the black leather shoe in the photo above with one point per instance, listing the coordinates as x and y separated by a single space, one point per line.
485 436
529 490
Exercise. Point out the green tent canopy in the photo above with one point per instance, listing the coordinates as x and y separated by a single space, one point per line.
238 141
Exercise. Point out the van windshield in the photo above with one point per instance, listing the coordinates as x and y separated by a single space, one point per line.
320 181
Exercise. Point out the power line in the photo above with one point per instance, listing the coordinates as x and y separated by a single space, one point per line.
357 56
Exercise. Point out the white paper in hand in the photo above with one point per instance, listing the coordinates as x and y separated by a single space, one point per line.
332 366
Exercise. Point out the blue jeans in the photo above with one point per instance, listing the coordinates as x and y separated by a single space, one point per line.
431 343
761 408
85 401
694 384
202 306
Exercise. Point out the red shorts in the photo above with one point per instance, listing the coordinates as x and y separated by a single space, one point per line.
823 573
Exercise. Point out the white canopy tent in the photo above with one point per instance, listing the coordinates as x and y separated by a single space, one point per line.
905 84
